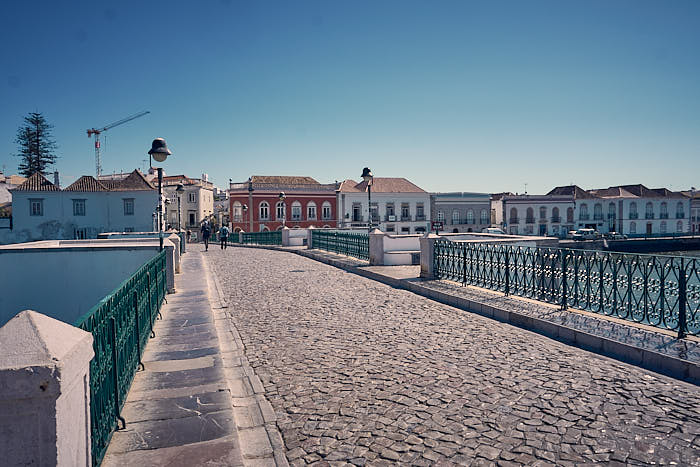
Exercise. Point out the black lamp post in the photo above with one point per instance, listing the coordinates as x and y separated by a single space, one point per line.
245 210
250 202
368 177
282 197
180 188
159 151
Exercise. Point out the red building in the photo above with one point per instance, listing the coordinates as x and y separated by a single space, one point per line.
255 205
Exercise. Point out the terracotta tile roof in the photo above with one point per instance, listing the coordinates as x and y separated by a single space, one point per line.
283 180
36 182
571 190
382 185
636 191
135 181
86 183
348 186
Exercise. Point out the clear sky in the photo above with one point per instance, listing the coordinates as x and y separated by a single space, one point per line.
453 95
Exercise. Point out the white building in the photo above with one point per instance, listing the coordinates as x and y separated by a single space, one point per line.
398 205
627 209
196 202
461 211
43 211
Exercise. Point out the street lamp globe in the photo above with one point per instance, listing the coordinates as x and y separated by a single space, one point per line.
159 150
282 196
367 175
180 188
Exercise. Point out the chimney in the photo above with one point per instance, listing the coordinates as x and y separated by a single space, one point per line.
56 180
205 177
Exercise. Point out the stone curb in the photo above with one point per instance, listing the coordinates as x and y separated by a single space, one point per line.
260 440
648 359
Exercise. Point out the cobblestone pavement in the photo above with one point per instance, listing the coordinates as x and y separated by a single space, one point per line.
358 372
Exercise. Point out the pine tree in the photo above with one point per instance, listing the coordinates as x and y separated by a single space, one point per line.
35 145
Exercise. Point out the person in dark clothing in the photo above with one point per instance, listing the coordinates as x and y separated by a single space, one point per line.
206 233
223 234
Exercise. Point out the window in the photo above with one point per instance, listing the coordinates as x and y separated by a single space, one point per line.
598 212
569 214
611 211
357 212
280 210
296 211
311 211
484 217
530 216
192 217
326 210
390 210
237 212
264 211
555 215
128 206
633 210
128 229
663 211
455 217
679 226
649 213
390 228
405 212
583 212
36 207
513 216
633 227
192 197
78 207
470 216
663 227
543 212
405 230
441 216
420 212
680 212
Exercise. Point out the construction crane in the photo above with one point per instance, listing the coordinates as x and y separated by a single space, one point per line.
97 132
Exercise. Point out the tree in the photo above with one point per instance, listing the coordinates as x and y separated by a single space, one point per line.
36 145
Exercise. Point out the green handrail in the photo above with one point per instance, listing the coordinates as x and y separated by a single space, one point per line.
345 243
120 324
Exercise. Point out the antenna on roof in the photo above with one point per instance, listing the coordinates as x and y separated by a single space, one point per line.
526 188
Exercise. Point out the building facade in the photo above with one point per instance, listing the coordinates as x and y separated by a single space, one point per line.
255 205
196 201
633 210
461 212
43 211
398 206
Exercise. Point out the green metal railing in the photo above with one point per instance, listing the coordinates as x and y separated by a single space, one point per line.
263 238
120 324
660 291
346 243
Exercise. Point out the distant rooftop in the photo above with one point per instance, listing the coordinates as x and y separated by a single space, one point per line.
135 181
381 185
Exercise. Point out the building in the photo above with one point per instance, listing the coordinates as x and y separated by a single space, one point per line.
694 197
43 211
255 205
196 202
398 205
627 209
461 212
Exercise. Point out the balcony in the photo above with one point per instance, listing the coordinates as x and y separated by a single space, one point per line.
514 220
649 215
530 220
406 218
420 217
583 217
634 215
680 215
598 217
556 219
663 215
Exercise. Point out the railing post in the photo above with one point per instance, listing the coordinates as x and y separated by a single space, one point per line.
507 269
115 376
464 263
682 301
138 330
564 284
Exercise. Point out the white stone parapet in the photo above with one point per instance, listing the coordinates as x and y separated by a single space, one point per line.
44 392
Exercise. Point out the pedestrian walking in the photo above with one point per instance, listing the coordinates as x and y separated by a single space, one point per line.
206 233
189 235
223 234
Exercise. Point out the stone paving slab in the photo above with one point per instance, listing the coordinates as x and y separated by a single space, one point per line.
358 372
179 409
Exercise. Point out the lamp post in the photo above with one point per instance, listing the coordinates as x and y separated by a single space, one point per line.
250 203
282 197
180 188
369 178
159 151
245 210
692 220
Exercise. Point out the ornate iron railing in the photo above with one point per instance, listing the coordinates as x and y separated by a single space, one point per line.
263 238
660 291
353 244
120 324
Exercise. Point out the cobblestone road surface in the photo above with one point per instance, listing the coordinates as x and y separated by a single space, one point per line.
361 373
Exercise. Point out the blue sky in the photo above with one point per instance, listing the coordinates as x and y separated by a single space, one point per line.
453 95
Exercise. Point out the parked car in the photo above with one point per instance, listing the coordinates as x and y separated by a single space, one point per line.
493 230
615 236
585 234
